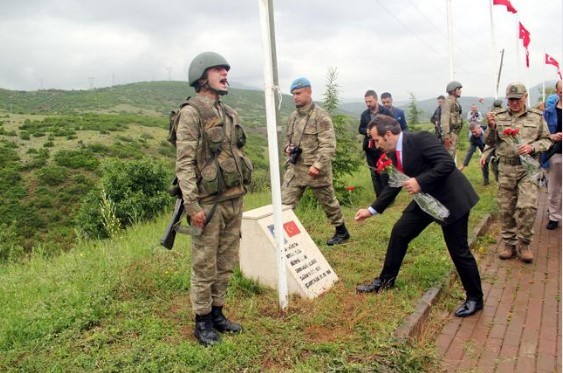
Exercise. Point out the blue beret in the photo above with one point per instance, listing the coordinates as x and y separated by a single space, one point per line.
551 100
299 83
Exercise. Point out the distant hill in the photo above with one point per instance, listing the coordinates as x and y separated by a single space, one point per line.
150 98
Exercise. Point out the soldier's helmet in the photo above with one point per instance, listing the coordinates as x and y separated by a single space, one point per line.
202 62
452 86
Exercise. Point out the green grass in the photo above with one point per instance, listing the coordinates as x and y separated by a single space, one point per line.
123 305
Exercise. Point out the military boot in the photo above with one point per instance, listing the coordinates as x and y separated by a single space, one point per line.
507 252
204 332
340 236
524 252
222 324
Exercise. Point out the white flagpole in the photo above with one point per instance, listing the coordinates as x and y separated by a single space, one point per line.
269 95
543 80
518 69
493 51
450 36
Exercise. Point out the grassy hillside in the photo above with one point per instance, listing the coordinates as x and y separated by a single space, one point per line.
52 142
123 305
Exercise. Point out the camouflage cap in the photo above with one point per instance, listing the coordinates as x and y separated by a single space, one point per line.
516 90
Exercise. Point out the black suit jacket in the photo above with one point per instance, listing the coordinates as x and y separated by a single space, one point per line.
426 159
372 154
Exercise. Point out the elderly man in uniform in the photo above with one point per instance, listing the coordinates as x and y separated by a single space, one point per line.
310 147
517 192
213 173
450 118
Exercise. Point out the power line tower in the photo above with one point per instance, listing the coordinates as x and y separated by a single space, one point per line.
91 81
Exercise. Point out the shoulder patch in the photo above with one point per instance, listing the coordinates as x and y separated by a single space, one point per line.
535 111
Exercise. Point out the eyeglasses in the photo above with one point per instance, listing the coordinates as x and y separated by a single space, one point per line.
514 99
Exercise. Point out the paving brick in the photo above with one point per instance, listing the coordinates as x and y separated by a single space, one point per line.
519 329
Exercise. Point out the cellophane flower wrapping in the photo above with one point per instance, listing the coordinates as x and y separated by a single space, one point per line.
425 201
531 166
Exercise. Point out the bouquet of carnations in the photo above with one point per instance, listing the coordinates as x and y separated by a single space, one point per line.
531 166
425 201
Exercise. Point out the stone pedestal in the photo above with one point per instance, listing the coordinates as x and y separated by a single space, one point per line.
308 272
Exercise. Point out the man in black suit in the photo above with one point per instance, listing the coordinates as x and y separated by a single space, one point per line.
368 146
431 170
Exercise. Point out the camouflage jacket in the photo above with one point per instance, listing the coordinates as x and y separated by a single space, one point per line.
532 130
210 162
311 129
450 118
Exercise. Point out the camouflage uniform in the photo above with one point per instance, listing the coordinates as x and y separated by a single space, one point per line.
310 128
517 193
212 169
451 123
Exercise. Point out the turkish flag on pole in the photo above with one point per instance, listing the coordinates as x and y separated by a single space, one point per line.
525 36
551 61
506 3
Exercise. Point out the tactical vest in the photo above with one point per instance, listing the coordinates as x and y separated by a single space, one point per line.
221 161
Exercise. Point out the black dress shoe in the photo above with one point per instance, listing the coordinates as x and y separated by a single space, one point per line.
469 308
376 285
552 224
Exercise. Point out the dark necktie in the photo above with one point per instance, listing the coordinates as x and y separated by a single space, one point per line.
399 163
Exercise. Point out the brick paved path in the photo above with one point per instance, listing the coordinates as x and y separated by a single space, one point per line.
519 329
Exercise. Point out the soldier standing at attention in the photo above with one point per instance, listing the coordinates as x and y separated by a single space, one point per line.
212 172
310 147
517 192
450 118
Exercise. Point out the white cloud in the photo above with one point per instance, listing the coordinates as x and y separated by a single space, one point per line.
398 46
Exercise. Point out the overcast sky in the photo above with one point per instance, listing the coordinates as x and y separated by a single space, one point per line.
400 46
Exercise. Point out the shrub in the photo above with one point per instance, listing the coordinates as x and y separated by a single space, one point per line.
77 159
53 175
128 191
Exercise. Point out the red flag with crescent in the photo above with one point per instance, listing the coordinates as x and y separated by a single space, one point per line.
551 61
291 228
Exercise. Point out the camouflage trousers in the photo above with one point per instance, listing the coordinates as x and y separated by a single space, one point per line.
518 203
215 254
291 194
452 147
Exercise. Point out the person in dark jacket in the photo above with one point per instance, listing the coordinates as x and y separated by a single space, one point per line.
387 101
477 141
431 170
435 118
372 153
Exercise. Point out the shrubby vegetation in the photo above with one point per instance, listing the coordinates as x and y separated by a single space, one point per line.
126 193
51 156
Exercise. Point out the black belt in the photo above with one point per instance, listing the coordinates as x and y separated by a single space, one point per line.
510 161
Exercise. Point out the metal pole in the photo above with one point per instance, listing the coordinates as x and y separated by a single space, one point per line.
493 49
450 36
270 90
500 68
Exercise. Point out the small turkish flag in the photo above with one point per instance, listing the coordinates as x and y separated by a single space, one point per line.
291 228
507 4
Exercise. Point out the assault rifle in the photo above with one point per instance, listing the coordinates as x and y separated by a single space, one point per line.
169 235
